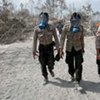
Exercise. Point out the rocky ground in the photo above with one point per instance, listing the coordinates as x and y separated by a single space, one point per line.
20 75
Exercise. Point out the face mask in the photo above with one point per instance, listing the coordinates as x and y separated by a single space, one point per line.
43 21
74 25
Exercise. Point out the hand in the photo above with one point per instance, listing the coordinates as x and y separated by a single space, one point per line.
83 51
34 54
61 53
98 57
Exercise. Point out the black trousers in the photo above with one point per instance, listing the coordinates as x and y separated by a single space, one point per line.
46 58
98 63
74 60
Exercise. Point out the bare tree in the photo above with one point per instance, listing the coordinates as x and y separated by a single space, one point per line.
55 7
87 13
21 6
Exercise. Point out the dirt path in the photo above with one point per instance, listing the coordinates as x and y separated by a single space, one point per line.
20 75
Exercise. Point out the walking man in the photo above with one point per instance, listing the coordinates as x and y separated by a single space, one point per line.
98 49
45 34
74 47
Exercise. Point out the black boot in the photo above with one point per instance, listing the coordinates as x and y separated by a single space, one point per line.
46 79
71 79
52 73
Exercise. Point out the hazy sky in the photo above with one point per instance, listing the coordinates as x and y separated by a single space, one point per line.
77 3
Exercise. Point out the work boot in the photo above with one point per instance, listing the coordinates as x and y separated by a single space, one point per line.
71 79
46 80
52 73
77 86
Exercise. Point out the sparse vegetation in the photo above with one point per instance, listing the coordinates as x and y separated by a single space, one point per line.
17 25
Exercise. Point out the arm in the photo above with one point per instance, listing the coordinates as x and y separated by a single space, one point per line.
82 39
34 43
56 39
63 36
98 53
98 47
62 40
